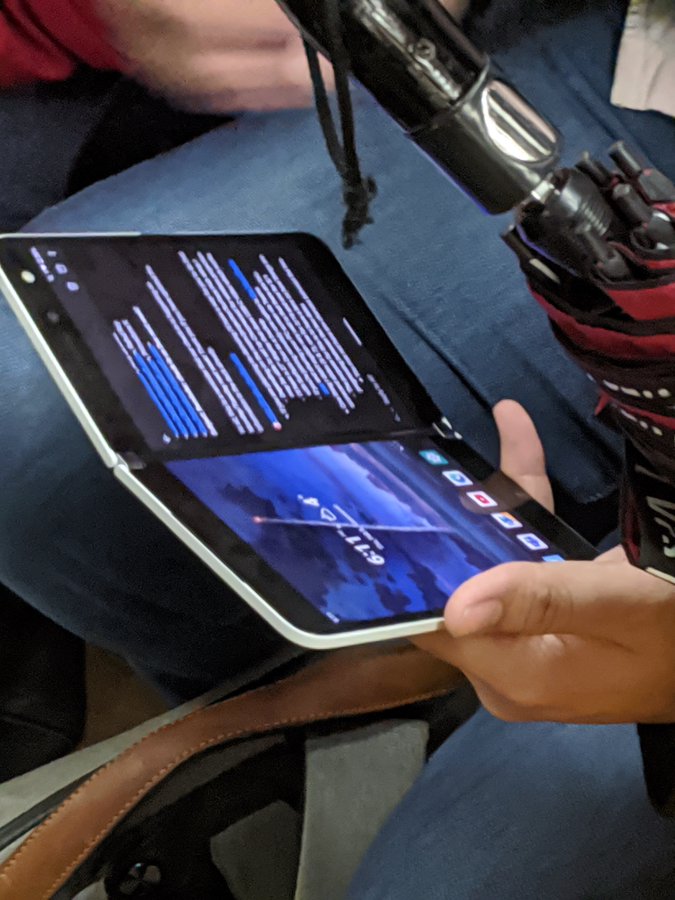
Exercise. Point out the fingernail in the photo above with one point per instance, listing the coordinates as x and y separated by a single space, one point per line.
478 617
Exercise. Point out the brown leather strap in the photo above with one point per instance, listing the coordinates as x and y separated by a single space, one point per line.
344 684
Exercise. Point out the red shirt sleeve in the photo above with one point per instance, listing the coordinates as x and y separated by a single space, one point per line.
44 40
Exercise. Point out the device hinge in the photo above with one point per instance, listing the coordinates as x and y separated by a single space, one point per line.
446 430
131 461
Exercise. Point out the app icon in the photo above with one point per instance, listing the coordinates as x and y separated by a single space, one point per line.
433 457
532 542
459 479
61 269
72 286
554 557
506 520
480 498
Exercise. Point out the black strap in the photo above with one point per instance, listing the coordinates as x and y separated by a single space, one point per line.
657 743
357 190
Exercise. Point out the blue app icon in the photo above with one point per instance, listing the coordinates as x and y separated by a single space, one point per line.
554 557
459 479
532 542
506 520
433 457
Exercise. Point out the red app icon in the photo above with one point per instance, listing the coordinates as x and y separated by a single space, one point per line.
480 498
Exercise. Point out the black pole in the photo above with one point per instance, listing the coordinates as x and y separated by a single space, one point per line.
414 59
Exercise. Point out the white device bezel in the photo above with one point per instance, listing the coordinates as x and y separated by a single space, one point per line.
125 475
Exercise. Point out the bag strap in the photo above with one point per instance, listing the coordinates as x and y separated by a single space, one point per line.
346 684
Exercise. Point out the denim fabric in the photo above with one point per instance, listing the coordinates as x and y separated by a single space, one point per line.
42 129
432 268
523 812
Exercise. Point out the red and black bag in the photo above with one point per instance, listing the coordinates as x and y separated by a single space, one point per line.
621 331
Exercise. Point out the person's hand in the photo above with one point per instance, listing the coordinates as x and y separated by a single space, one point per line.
585 642
213 56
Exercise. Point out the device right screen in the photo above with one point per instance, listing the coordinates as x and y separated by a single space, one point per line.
368 531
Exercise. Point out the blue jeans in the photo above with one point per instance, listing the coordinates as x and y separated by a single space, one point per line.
525 812
42 129
76 546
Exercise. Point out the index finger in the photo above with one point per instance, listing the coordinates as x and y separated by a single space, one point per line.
522 453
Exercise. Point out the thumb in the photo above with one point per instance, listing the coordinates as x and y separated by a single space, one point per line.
580 598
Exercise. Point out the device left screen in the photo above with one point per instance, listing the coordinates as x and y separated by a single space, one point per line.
223 343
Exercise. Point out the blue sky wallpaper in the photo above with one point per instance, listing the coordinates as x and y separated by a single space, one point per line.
363 531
